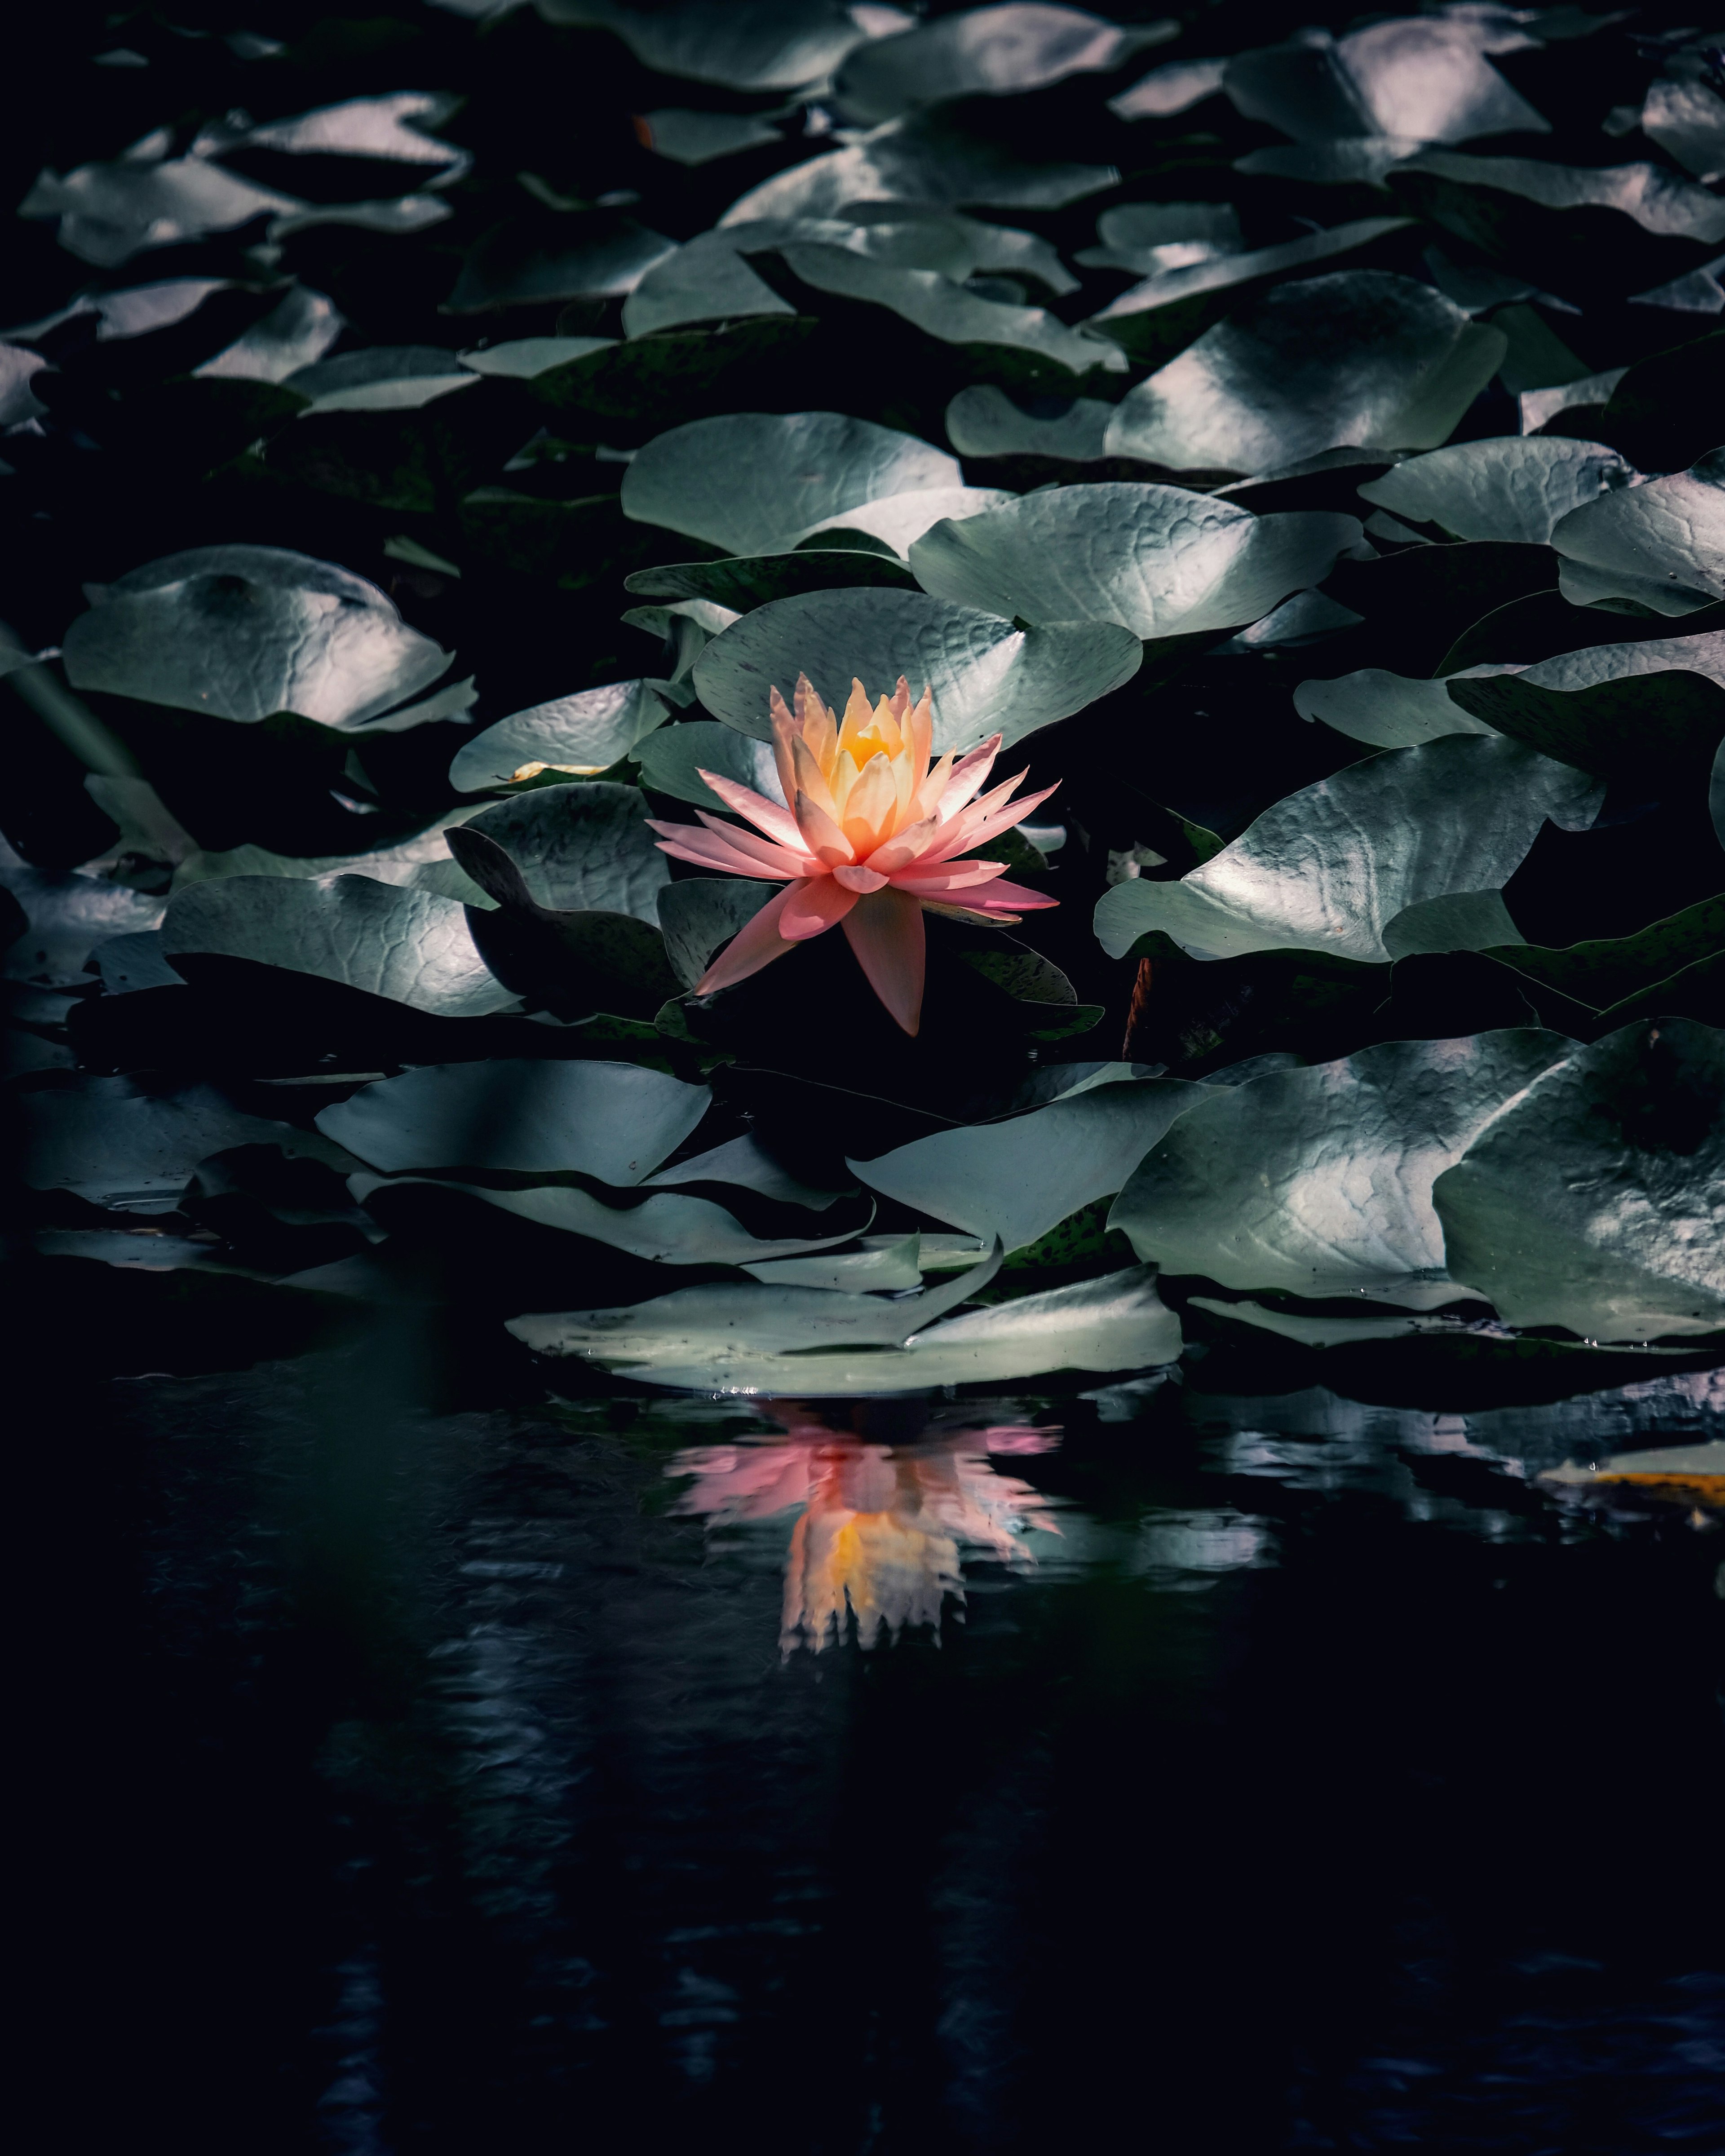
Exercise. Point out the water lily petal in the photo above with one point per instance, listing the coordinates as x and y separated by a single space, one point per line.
777 823
884 930
821 835
993 897
755 944
952 875
708 850
869 805
813 906
969 775
810 776
860 879
906 845
779 860
977 825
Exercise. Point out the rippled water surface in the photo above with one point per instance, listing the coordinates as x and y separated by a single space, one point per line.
1161 1766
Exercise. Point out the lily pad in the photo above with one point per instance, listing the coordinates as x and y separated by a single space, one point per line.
746 1163
985 675
296 332
577 849
244 632
669 1228
132 1145
993 52
1170 89
1017 1179
1318 1182
1388 711
689 137
1655 198
1661 544
1423 77
762 45
673 759
1661 727
700 914
525 359
1596 1200
1515 489
753 483
927 157
1605 972
1117 1322
109 213
614 1122
419 862
1330 868
1358 357
411 946
381 378
943 308
66 915
525 262
585 733
1158 559
742 582
982 421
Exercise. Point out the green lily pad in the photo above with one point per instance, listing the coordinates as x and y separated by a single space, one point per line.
941 307
1656 199
1388 711
689 137
1117 1322
1359 357
991 52
577 848
890 1267
750 580
700 914
1019 1178
529 261
587 733
673 759
746 1163
1317 1181
668 1228
1661 544
1158 559
117 1142
1330 868
614 1122
982 421
1607 971
1658 725
765 44
244 632
1423 77
985 675
927 157
381 378
411 946
1516 488
1593 1201
753 483
525 359
420 863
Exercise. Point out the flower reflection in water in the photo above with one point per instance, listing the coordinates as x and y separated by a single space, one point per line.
882 1524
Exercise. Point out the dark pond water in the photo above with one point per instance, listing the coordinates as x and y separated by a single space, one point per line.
466 1770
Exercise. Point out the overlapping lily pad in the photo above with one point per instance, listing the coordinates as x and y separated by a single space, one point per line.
1513 488
1318 1182
585 734
243 632
1662 546
987 51
1596 1200
1159 560
1332 867
984 674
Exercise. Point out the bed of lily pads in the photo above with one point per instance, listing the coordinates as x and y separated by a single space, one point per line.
433 438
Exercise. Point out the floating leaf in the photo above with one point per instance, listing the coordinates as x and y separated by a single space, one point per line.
129 964
18 402
1661 544
746 1163
1360 356
700 914
927 157
890 1267
524 359
942 308
1420 77
1159 560
753 482
615 1121
672 760
66 915
243 632
1386 710
1168 90
585 733
742 582
1596 1201
296 332
109 213
1657 726
1657 200
420 863
762 44
1329 867
410 946
1117 1323
1317 1181
381 378
524 262
1607 971
577 849
985 675
993 52
1505 489
696 138
1018 1179
982 421
133 1145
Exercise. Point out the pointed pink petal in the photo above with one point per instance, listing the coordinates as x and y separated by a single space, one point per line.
765 815
857 879
945 875
784 732
977 826
909 845
886 931
968 776
755 944
1001 893
707 852
782 860
816 905
821 835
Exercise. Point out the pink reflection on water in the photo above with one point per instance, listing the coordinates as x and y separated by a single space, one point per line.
882 1525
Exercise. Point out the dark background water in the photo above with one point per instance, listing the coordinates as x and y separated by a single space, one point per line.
403 1773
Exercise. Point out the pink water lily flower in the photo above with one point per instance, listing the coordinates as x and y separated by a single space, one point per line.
875 834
